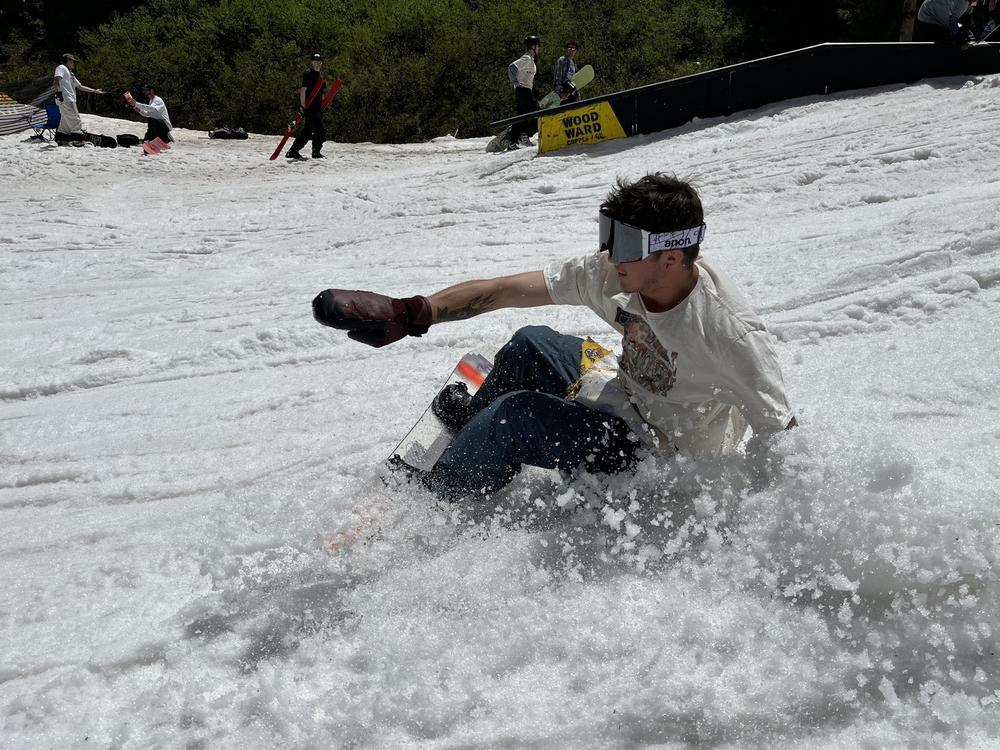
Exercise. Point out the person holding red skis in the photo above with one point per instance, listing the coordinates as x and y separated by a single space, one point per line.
312 111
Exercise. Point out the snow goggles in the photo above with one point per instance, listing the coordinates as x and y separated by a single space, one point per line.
626 243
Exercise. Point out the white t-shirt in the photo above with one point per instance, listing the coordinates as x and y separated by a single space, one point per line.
526 69
155 109
696 374
67 83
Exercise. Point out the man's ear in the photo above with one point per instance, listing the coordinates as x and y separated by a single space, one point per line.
671 257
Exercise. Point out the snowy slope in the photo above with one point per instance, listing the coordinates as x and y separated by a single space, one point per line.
181 443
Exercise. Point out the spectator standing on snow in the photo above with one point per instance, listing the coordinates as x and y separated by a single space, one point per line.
312 126
66 84
944 21
521 74
562 79
158 125
697 364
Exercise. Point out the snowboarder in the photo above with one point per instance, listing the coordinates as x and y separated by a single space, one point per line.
521 74
66 84
697 364
158 125
562 79
313 121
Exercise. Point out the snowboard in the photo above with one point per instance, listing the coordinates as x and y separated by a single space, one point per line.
428 439
419 449
327 98
580 79
155 146
499 142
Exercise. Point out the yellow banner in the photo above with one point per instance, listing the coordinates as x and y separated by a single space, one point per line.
591 124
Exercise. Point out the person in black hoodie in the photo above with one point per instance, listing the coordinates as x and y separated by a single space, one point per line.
313 113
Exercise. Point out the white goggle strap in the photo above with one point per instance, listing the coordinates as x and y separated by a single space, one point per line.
680 240
626 243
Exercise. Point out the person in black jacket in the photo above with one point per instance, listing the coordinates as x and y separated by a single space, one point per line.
313 125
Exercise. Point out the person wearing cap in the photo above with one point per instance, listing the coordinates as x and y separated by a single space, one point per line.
562 78
158 125
312 111
66 84
696 368
521 74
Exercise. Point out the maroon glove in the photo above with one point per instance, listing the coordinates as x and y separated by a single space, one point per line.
371 318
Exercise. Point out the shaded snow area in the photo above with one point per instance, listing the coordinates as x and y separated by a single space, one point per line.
199 549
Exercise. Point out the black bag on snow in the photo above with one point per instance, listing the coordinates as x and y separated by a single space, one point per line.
127 139
229 134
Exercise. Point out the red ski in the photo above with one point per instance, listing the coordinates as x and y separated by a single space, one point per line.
327 98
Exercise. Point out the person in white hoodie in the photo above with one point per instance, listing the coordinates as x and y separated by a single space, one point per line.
159 125
66 84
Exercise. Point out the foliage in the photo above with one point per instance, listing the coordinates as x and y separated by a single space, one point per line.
416 69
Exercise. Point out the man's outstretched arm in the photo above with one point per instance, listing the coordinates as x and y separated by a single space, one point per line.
377 320
471 298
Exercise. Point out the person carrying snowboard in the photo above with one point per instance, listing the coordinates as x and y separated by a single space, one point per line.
312 114
696 366
562 79
158 125
521 74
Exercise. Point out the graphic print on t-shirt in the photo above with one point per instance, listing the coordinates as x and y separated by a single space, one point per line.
644 358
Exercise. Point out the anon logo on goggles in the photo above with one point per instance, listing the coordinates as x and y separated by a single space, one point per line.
626 243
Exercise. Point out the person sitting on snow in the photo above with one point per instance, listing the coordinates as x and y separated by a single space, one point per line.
159 125
696 365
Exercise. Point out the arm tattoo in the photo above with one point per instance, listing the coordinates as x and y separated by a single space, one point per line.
479 304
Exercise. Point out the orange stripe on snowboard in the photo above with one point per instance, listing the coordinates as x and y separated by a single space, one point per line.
470 373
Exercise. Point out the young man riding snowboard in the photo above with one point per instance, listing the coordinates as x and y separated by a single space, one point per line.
696 367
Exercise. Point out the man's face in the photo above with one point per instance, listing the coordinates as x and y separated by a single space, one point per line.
571 52
71 64
536 50
316 64
645 276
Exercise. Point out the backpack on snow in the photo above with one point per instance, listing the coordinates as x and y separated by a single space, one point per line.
237 134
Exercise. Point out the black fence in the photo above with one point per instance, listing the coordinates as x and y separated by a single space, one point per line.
822 69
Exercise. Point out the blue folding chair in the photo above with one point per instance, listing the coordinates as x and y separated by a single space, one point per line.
46 131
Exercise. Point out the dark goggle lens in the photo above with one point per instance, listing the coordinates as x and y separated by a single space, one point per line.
621 241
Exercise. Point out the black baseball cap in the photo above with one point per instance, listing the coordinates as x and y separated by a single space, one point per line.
316 56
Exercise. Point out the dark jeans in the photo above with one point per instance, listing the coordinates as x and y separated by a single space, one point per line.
156 129
523 417
312 128
524 99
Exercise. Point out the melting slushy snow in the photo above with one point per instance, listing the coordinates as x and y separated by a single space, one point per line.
198 550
